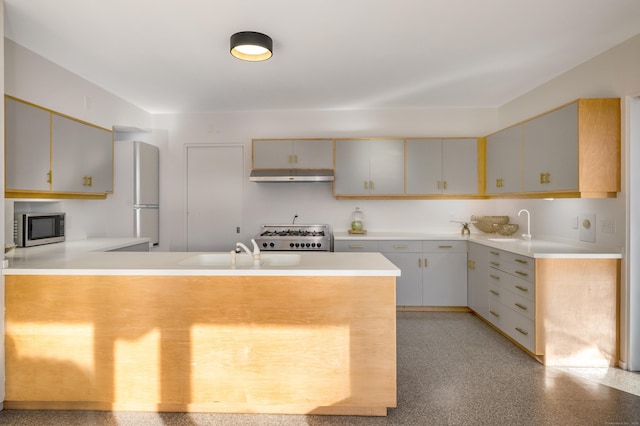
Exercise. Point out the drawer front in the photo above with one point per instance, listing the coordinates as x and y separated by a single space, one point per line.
517 271
400 246
518 327
444 246
501 256
356 245
517 303
514 284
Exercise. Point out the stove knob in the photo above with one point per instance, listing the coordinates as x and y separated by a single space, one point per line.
308 245
297 245
272 245
264 244
291 245
319 245
313 244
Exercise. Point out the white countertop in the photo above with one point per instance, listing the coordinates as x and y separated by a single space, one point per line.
88 257
537 248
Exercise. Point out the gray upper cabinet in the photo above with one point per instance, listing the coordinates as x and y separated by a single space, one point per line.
48 153
504 157
292 153
369 167
442 166
551 151
82 157
27 164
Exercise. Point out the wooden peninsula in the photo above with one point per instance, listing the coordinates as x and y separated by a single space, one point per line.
314 334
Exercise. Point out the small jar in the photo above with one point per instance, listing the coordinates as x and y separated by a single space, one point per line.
357 220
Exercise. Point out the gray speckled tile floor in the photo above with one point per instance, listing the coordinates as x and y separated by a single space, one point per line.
453 369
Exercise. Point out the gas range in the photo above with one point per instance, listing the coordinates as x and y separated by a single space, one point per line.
283 237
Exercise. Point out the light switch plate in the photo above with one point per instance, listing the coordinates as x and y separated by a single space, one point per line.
587 224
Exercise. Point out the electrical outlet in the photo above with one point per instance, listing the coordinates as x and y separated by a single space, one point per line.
587 223
608 226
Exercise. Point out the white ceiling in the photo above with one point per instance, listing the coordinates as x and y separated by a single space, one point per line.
173 55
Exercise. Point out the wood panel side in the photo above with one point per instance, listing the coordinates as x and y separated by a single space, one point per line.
230 344
599 129
577 308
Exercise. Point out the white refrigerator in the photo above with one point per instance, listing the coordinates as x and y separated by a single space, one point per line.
146 191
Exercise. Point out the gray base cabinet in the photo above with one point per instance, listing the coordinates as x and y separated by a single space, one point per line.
433 272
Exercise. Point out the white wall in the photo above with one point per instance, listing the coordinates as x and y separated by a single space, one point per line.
35 79
277 203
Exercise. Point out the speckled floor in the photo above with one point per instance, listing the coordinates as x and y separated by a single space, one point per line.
452 370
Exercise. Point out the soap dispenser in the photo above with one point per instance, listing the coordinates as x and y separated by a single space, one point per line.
357 223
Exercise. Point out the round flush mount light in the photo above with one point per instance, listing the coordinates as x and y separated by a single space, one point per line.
251 46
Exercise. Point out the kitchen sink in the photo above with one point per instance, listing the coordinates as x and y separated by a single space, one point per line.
223 260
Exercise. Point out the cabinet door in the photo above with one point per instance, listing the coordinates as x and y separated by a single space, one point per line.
28 142
504 161
82 157
386 166
444 274
460 166
99 159
352 167
313 154
273 154
551 151
409 283
424 166
68 167
478 279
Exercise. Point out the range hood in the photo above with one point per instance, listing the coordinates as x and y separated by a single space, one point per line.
291 175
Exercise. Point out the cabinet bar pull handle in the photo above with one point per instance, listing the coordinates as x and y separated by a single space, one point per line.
419 263
494 292
447 247
471 264
90 180
289 159
547 178
495 277
426 262
444 184
372 185
355 246
541 178
295 159
438 184
524 274
366 185
524 262
495 314
522 288
49 176
524 308
495 253
522 331
399 246
494 263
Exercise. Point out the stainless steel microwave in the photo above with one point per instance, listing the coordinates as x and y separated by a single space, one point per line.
34 229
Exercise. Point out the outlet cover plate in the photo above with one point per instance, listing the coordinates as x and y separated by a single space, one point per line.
587 224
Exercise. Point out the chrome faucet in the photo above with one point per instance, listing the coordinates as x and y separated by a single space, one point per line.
255 254
526 236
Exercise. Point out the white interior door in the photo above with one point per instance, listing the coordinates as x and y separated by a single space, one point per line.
215 176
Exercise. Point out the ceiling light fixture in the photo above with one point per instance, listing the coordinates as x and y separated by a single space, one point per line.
251 46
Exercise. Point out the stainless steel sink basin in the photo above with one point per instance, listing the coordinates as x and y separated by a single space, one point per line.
223 260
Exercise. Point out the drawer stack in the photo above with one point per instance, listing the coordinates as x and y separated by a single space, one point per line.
511 296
